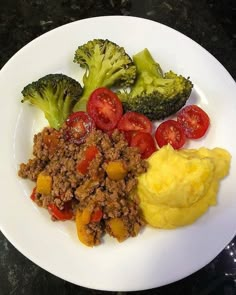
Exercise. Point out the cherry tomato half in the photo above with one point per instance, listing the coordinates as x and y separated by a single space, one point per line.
132 121
128 135
105 108
145 143
171 132
194 121
78 126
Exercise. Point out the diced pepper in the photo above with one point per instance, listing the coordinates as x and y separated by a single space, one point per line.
89 155
33 194
51 141
91 152
96 216
44 184
118 229
84 236
86 214
65 214
116 170
82 166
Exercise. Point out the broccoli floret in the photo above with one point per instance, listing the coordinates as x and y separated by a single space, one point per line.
55 95
106 64
155 94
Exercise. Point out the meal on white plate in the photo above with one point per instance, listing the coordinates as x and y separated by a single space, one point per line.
113 156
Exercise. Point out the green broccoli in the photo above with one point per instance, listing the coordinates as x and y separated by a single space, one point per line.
106 64
55 95
155 94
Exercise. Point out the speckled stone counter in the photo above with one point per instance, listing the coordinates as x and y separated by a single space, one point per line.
211 23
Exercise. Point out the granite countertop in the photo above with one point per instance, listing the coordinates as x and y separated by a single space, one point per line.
211 23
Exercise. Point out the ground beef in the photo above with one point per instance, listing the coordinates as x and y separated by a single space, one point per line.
32 169
93 189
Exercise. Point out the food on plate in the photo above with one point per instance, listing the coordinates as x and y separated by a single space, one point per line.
44 184
98 163
106 64
194 120
90 182
55 95
90 154
133 121
105 108
116 170
137 130
78 126
140 84
144 142
170 132
154 94
180 185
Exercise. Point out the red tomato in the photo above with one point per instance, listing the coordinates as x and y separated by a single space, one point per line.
65 214
145 142
129 135
90 154
132 121
105 108
194 121
171 132
96 215
78 126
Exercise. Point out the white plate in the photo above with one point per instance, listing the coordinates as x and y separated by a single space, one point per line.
155 257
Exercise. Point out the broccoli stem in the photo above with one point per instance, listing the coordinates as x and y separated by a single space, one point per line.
145 63
81 105
53 120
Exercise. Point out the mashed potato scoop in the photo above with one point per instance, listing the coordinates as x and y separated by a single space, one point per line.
180 185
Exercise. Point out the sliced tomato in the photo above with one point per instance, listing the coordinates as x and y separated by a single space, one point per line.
105 108
194 121
78 126
132 121
89 155
65 214
171 132
96 216
145 143
128 135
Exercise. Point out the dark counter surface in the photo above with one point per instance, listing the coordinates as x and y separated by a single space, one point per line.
211 23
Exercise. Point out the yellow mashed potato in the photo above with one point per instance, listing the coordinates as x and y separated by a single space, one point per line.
180 185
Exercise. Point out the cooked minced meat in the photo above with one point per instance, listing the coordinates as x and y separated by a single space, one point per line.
59 158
